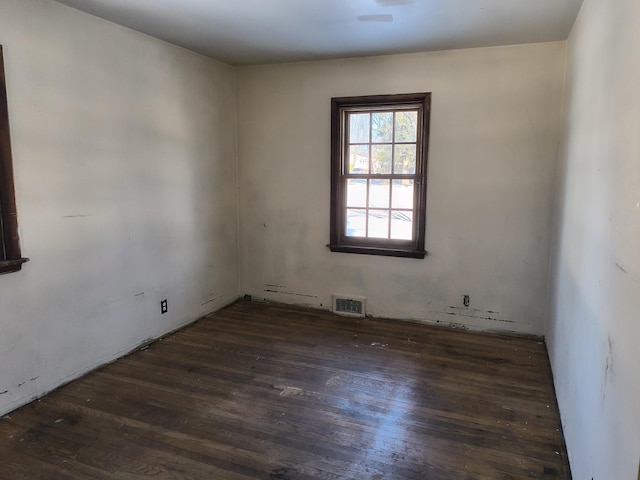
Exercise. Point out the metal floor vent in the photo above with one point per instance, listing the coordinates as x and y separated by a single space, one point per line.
349 306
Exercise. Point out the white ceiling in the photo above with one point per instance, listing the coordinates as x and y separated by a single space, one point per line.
248 32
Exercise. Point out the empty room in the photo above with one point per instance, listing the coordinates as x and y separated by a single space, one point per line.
304 239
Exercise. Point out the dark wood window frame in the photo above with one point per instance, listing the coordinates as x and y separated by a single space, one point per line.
10 257
339 240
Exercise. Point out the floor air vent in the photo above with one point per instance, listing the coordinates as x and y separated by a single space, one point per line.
349 306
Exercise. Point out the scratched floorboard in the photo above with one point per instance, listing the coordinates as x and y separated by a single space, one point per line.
272 392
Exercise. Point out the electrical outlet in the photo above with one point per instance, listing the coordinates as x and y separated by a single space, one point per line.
163 306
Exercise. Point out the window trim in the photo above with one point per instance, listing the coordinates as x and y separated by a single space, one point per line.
10 256
339 242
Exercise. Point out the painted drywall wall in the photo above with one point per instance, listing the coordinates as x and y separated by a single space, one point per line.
124 158
492 161
594 324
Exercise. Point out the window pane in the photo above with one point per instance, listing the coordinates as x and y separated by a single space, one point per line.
359 159
359 127
382 127
378 223
404 160
401 225
402 194
356 223
357 192
379 193
381 158
406 126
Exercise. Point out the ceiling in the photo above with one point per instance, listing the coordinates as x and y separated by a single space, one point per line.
250 32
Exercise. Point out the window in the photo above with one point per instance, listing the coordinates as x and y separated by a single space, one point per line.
379 174
10 257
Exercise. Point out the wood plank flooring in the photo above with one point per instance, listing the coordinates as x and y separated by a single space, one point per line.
260 391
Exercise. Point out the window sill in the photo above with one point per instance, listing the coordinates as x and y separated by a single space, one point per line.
387 252
10 266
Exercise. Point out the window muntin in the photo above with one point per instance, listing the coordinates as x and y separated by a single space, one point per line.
379 147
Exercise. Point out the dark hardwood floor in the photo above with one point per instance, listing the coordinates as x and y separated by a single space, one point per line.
271 392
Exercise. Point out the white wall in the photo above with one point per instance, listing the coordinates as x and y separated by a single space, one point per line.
594 325
124 157
492 161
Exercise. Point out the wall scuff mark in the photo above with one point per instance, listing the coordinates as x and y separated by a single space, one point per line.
272 288
478 314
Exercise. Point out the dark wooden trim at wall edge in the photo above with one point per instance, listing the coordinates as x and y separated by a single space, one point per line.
11 259
381 251
10 266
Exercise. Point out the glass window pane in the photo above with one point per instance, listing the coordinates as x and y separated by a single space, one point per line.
357 192
356 222
359 127
382 127
402 194
404 160
378 224
406 126
401 225
381 159
379 193
359 159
